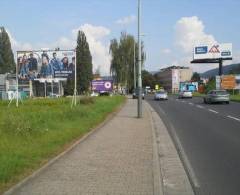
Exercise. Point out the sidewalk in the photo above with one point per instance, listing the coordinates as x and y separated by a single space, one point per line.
126 156
116 159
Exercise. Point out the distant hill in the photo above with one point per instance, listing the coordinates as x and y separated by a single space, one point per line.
229 69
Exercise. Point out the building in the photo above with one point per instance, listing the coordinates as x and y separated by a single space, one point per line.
170 77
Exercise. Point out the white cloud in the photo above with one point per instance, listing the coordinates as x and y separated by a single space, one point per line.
95 37
16 45
126 20
190 32
166 51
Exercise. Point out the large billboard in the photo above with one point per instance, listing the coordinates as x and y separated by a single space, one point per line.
215 51
102 85
33 65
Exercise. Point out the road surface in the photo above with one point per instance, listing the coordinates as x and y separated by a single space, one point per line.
208 138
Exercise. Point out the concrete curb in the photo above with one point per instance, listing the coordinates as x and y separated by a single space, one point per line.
157 175
70 148
174 179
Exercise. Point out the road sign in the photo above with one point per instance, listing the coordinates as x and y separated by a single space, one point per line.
156 87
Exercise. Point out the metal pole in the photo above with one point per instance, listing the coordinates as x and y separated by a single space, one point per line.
220 67
139 63
134 66
17 82
75 78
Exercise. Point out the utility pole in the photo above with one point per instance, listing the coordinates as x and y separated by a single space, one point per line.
139 62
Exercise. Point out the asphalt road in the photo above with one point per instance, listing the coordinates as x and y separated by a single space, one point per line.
208 138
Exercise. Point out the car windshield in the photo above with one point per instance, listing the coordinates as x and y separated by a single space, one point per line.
161 92
220 92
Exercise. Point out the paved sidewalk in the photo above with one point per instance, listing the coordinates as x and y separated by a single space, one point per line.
116 159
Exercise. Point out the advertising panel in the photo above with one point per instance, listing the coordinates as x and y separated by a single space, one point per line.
228 82
33 65
102 85
215 51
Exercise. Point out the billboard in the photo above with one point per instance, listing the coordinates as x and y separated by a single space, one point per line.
33 65
214 51
228 82
102 85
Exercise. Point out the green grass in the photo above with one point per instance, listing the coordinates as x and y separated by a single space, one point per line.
235 98
40 129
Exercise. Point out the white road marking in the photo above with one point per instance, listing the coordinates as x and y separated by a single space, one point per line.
232 117
200 106
214 111
183 101
190 103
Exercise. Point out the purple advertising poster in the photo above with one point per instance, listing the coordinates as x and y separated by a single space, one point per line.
102 85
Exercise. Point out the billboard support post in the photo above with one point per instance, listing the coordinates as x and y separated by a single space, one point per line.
74 100
17 84
220 67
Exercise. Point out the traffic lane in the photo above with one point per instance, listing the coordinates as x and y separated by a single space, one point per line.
210 142
232 109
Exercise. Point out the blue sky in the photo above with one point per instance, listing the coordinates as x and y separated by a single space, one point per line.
45 23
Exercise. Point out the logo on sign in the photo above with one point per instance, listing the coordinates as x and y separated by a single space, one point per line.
201 50
226 53
108 85
214 49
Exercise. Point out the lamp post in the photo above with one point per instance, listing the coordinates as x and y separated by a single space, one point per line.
139 62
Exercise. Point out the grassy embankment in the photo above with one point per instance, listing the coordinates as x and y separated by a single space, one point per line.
40 129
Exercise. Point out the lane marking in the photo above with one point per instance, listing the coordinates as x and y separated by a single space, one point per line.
183 101
214 111
232 117
200 106
190 103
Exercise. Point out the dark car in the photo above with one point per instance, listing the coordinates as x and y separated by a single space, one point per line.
215 96
135 94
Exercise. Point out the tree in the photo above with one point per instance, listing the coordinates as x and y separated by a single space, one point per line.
196 77
148 79
211 84
7 63
84 63
122 63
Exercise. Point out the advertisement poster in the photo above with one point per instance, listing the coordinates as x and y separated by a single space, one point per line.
102 85
215 51
45 64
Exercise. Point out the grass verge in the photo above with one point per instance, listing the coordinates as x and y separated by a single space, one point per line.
40 129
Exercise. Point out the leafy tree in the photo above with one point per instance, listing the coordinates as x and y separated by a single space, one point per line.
84 63
122 63
148 79
196 77
7 63
211 85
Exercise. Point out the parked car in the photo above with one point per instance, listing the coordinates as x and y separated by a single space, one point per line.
185 94
215 96
135 94
161 95
94 94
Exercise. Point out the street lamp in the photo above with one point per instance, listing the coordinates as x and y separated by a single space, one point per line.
139 63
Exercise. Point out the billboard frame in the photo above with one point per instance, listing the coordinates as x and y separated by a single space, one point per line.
74 99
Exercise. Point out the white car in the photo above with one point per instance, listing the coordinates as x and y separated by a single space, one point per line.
161 95
94 94
185 94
